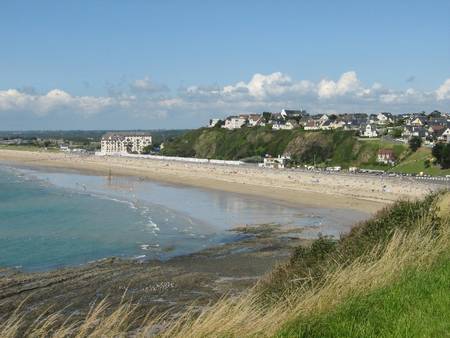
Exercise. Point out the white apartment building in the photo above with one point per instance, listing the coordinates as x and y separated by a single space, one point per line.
234 122
125 142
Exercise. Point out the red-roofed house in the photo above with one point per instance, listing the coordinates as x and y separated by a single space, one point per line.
386 156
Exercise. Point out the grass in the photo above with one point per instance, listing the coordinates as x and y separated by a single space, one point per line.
27 148
330 286
415 163
417 305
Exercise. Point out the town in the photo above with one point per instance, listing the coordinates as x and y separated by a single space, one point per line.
431 127
396 137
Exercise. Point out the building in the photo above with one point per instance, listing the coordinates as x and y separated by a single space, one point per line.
411 131
125 142
445 136
289 113
234 122
279 162
255 120
312 124
368 130
386 156
385 118
280 125
417 121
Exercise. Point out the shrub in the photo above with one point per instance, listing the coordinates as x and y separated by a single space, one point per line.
415 143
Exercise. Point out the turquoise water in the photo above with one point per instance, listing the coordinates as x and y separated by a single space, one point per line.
51 219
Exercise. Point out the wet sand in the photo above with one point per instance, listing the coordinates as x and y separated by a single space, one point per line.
177 284
197 279
357 192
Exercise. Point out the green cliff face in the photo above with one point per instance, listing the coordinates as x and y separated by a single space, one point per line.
306 147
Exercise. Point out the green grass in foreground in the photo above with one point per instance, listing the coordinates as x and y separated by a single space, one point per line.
418 305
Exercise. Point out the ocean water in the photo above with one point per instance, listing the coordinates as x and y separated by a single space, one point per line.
51 219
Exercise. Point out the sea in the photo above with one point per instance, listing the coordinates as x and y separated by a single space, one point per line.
51 218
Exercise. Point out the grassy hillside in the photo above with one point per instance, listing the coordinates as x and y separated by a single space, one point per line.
387 277
417 305
320 147
415 163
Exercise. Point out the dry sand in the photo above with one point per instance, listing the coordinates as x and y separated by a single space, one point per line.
359 192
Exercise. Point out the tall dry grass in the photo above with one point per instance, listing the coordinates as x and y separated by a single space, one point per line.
247 316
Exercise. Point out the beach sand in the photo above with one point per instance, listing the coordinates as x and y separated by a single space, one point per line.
358 192
191 281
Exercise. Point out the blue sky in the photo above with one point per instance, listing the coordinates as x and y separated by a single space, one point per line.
175 64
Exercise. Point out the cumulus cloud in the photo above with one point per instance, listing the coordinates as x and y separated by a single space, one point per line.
148 86
192 105
56 99
347 83
443 92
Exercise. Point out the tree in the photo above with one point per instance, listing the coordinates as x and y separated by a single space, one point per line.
442 153
445 158
396 132
415 142
266 116
437 151
435 114
219 124
332 117
147 149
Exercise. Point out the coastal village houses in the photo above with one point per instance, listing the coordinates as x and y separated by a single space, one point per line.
125 142
369 130
430 127
235 122
386 156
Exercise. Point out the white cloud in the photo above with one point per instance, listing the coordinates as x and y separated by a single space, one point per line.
262 86
195 104
443 92
347 83
148 86
56 99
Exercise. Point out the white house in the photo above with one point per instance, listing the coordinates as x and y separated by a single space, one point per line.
338 124
279 162
446 135
254 120
369 131
384 118
280 125
125 142
324 118
234 122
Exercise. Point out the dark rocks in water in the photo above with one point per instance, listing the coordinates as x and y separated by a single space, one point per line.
152 285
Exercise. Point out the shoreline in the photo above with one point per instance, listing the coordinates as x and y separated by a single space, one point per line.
198 278
367 194
177 284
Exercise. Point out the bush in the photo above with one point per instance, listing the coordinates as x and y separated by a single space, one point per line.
441 152
415 143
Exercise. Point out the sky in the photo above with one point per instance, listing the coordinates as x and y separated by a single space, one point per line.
93 64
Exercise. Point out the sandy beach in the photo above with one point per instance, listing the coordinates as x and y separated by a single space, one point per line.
357 192
191 281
